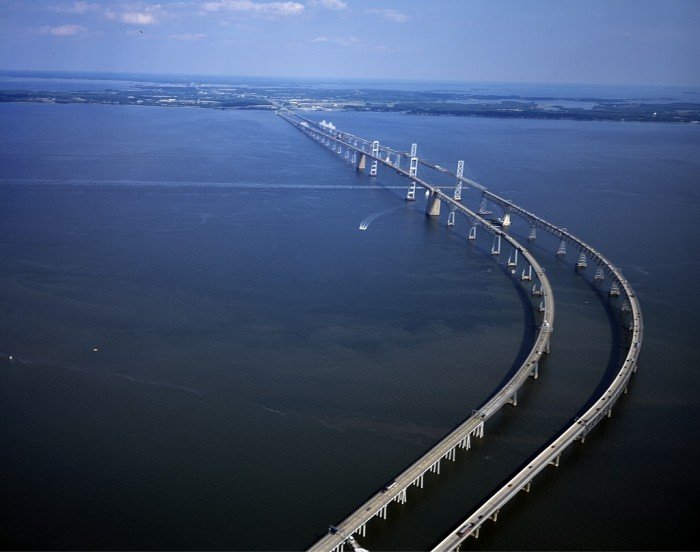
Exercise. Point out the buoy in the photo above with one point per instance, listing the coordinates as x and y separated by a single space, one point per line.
95 349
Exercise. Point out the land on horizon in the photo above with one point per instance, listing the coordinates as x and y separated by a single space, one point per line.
423 98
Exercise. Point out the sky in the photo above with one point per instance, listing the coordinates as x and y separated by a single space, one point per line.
649 42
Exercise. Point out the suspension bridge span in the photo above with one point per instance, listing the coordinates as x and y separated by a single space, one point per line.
358 150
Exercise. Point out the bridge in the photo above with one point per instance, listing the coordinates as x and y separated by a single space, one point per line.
357 151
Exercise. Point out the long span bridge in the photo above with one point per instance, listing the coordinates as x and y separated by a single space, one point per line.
358 150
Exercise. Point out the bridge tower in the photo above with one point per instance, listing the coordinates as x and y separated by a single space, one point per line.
506 220
413 173
397 163
458 187
375 154
414 150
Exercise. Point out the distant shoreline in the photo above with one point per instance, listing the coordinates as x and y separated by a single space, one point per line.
457 103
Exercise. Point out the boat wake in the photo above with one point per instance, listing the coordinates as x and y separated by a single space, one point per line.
370 219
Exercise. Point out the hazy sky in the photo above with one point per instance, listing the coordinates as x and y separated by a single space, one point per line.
572 41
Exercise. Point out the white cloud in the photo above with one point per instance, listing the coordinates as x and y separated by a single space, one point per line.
62 30
79 7
329 4
320 39
137 18
189 36
262 8
389 15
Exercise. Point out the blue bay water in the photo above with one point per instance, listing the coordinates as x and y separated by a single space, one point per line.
263 365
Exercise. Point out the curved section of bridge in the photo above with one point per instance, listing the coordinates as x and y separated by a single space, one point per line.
358 150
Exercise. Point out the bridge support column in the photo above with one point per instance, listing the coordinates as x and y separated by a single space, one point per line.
581 263
397 163
451 218
458 186
432 208
555 462
472 233
562 248
535 373
527 273
482 208
513 399
353 159
362 164
533 233
496 247
526 488
494 517
513 258
599 274
506 220
615 289
414 150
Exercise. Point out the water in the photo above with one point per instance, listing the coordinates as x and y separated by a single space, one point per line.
263 365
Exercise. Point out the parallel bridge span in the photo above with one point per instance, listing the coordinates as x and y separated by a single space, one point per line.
602 407
460 437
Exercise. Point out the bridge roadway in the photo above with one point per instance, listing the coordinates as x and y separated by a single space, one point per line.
377 504
550 454
583 424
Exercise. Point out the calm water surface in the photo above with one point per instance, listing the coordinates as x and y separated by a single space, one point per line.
263 366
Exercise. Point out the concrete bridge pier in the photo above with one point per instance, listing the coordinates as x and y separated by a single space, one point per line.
472 232
535 373
615 289
432 208
362 163
451 217
527 273
496 247
599 274
513 399
533 233
513 258
562 248
581 263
